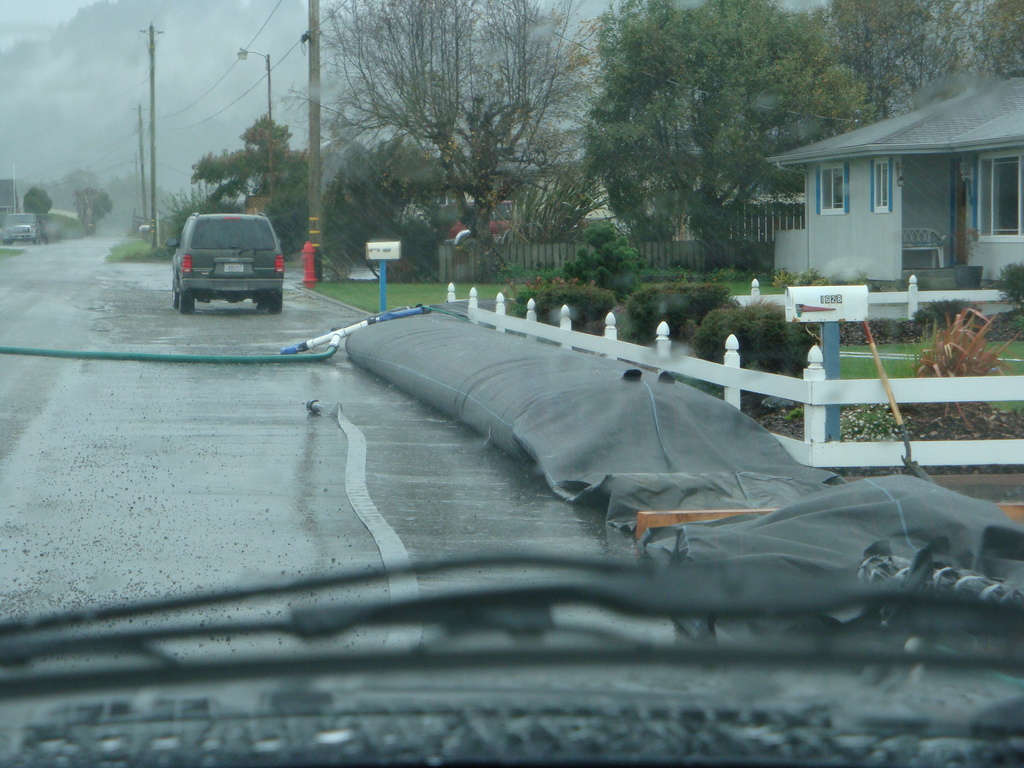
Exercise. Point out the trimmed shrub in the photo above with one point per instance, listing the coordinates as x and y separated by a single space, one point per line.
939 314
588 304
1011 284
767 341
606 260
682 305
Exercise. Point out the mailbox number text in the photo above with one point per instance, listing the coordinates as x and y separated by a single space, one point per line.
832 298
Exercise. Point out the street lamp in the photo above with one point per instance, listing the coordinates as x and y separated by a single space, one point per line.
242 55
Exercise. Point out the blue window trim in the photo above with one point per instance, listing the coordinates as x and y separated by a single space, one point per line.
819 190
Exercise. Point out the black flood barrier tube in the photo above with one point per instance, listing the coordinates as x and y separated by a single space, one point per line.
601 431
835 536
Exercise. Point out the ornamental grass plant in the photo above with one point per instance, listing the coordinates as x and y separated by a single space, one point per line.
962 349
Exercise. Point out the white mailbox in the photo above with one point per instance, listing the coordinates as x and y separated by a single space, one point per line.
825 303
383 251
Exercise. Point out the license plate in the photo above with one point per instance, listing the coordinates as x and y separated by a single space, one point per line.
234 267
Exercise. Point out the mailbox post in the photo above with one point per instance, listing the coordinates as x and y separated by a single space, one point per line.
828 305
382 253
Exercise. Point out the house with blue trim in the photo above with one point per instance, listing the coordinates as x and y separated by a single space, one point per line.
937 189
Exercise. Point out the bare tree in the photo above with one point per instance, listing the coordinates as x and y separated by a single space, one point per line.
489 88
901 48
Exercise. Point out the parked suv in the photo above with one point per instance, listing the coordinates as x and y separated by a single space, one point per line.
21 227
227 256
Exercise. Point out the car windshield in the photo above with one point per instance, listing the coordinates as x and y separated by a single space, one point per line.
232 234
512 381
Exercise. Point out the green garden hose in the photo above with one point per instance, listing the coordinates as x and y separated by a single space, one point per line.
156 357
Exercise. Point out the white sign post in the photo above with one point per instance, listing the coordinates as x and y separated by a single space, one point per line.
382 253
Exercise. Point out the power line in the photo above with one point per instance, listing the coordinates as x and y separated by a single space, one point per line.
242 96
228 70
260 30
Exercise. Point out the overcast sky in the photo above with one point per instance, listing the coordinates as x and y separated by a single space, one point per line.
33 20
73 74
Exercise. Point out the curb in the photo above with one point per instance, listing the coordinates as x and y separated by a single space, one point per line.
298 286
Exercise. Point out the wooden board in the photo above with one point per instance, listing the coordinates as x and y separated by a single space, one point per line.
644 520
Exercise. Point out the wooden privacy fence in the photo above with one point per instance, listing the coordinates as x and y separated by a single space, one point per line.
813 392
470 263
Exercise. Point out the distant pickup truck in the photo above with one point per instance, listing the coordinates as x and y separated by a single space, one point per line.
21 227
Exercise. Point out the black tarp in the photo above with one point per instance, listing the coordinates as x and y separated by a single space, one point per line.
624 443
827 536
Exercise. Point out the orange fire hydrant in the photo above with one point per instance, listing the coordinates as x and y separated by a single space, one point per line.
309 264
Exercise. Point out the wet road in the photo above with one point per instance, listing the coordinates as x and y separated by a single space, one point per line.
122 480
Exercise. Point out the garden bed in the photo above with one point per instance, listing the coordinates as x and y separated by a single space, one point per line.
925 421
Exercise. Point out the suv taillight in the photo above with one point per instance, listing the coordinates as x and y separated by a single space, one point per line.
186 264
279 264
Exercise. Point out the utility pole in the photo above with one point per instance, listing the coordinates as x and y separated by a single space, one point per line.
152 132
314 122
142 169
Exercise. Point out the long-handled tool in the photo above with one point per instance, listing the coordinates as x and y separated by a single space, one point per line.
908 462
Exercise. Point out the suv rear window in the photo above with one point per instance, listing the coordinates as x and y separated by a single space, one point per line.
233 234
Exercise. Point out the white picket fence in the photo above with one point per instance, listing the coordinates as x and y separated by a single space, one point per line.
900 304
813 391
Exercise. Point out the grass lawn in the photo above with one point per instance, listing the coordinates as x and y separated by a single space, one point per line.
365 294
743 288
864 368
137 251
10 251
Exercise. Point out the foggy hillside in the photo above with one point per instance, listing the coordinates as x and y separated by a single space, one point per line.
70 104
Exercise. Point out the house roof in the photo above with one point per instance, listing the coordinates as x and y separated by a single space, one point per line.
986 117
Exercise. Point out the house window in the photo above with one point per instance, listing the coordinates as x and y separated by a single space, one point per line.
881 185
833 194
1000 188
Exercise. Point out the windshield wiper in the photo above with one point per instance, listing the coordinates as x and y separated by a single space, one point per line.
720 591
